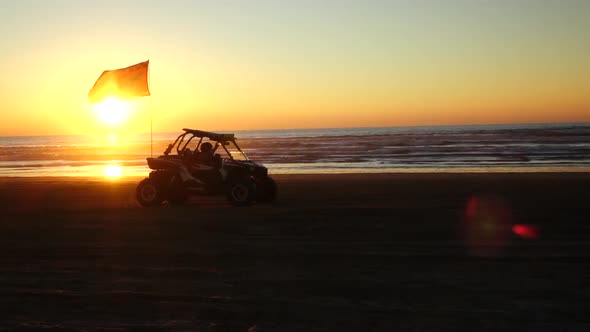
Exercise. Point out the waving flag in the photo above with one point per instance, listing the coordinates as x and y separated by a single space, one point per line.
124 83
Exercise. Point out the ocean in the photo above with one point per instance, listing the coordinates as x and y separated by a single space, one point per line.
481 148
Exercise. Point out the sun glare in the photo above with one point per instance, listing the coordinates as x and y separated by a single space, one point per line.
112 112
113 171
113 139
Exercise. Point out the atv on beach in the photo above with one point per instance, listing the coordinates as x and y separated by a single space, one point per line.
181 172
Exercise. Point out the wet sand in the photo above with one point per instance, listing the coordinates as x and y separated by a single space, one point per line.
379 252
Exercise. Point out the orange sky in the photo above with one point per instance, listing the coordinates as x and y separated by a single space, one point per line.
266 65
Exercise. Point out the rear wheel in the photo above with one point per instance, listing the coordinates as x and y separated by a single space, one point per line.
241 192
148 193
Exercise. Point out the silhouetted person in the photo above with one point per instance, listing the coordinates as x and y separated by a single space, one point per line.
206 154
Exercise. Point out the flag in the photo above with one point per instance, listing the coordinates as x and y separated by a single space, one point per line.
124 83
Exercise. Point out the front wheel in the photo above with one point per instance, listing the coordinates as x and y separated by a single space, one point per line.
266 190
241 192
148 194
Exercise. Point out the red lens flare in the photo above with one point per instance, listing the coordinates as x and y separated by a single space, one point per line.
526 231
486 225
471 208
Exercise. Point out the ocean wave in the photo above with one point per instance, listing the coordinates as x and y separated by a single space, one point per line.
356 148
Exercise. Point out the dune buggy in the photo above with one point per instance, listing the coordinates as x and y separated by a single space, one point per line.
205 163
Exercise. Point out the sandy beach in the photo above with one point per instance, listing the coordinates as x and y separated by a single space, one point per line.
360 252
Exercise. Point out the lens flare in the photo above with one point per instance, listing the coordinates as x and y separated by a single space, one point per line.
113 171
113 139
526 231
486 225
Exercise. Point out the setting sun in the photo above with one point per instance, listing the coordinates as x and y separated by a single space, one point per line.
112 112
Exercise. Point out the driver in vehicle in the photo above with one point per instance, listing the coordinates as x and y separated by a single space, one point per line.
206 156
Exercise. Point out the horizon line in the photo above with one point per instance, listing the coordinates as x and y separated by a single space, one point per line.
583 123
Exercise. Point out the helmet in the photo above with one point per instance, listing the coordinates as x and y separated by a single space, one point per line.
206 147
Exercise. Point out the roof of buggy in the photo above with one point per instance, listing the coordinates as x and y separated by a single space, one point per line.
210 135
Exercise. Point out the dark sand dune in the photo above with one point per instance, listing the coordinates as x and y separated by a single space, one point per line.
337 253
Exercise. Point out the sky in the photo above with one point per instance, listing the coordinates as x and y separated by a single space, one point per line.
218 65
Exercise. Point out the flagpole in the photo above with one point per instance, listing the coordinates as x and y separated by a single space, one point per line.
151 130
151 120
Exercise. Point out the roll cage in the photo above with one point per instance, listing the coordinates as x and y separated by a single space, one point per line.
222 140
